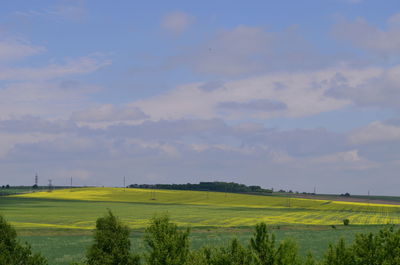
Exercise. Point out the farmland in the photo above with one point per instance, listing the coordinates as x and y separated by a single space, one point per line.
59 223
79 208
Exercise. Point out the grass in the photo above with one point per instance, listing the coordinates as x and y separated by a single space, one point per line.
79 208
62 248
59 223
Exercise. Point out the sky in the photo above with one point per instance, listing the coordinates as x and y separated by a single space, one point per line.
283 94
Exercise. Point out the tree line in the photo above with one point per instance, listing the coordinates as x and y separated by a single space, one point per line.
166 244
219 186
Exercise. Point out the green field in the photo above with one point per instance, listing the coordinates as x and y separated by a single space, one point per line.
79 208
64 247
59 223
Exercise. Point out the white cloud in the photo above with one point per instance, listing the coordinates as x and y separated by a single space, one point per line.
374 86
187 151
45 99
374 133
177 22
366 36
82 65
302 94
108 113
13 50
246 50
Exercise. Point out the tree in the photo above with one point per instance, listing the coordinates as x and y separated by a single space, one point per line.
12 252
376 249
234 254
339 255
267 252
263 245
112 244
166 245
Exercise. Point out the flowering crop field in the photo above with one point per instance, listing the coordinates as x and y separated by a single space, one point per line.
78 208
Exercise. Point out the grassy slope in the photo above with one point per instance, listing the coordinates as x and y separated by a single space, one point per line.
79 208
58 223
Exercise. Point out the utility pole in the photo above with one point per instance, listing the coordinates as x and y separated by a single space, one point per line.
71 183
50 185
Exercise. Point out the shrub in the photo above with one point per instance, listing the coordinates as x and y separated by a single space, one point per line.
381 248
339 255
234 254
165 243
112 245
11 252
346 221
267 253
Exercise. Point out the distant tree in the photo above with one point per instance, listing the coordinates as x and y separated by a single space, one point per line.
376 249
233 254
346 221
112 244
7 186
35 186
267 252
166 245
339 255
12 252
263 244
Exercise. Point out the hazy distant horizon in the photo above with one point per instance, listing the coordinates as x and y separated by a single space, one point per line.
283 94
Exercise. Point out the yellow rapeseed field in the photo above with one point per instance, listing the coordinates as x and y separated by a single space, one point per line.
79 208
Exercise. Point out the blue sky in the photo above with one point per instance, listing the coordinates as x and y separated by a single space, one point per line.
283 94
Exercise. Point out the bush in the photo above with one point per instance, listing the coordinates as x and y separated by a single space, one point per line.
112 244
381 248
11 252
165 243
234 254
268 253
339 255
346 221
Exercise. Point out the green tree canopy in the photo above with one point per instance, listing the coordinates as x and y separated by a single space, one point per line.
112 244
12 252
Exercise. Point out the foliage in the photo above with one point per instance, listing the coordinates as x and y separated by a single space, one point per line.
12 252
234 254
382 248
346 221
112 244
267 252
165 243
339 255
263 245
205 186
